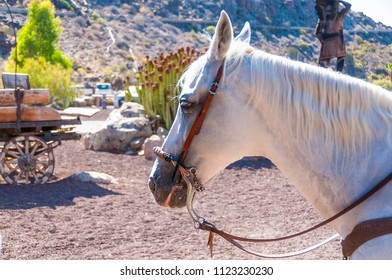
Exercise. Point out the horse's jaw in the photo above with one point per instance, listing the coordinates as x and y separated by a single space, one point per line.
167 192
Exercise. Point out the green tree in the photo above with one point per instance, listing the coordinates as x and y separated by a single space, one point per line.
39 37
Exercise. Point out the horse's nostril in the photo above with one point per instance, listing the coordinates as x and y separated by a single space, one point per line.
152 184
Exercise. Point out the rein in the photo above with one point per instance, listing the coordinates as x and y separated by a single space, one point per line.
194 185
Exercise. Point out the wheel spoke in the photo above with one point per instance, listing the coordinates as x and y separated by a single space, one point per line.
27 181
13 154
18 177
37 180
11 161
41 153
27 146
18 147
11 168
35 147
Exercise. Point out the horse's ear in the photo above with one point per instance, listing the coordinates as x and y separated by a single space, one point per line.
222 39
244 35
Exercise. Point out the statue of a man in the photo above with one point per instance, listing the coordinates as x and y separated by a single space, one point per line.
329 31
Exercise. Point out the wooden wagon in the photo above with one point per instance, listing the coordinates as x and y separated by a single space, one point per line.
29 131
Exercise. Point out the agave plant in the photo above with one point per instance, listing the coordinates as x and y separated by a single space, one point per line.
157 83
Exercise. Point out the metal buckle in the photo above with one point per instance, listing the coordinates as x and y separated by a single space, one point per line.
210 88
197 185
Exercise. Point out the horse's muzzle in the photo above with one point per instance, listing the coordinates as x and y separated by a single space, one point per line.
173 196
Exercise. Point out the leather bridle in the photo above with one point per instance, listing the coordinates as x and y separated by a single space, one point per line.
195 129
194 185
198 123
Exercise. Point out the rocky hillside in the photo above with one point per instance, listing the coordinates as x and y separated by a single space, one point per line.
108 40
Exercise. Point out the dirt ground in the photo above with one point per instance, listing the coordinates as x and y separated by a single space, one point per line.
66 219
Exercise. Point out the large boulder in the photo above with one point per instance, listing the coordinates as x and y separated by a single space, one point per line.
121 130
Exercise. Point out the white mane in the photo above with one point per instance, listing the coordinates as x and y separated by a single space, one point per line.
332 108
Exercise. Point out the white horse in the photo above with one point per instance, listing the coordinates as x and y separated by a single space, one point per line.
329 133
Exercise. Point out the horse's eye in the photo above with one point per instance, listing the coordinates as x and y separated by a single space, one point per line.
186 106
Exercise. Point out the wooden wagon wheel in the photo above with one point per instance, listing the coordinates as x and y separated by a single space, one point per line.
26 160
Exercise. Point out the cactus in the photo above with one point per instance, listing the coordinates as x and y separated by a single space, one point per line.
128 95
157 83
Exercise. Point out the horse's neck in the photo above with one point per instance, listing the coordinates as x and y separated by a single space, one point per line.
328 192
327 187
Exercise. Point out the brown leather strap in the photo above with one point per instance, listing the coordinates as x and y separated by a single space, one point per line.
210 227
195 129
19 94
364 232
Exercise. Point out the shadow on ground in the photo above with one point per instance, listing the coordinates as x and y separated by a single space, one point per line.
55 194
252 163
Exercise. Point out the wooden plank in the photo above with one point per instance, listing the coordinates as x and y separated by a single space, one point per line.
29 114
22 80
31 96
65 120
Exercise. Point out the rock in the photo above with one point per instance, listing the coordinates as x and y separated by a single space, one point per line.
94 177
96 140
151 142
125 129
122 132
162 132
128 110
137 143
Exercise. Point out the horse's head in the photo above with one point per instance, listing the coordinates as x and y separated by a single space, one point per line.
218 142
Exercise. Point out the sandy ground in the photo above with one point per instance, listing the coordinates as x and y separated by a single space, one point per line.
66 219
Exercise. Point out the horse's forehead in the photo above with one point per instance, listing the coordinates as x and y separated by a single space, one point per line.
198 76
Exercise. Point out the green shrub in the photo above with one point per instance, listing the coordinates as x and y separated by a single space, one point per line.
389 67
43 74
62 4
210 29
385 84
